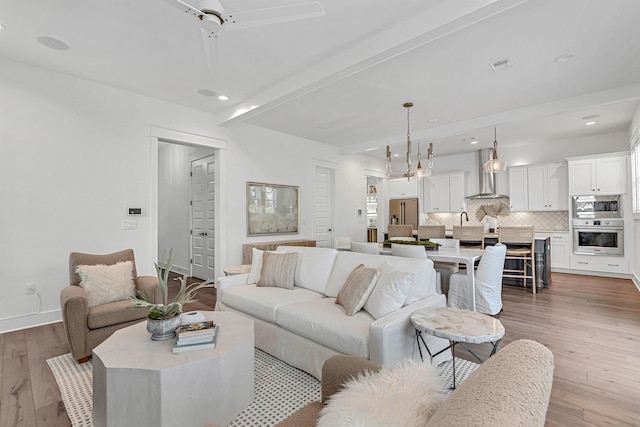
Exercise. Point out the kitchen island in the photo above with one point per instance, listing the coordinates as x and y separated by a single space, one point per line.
542 250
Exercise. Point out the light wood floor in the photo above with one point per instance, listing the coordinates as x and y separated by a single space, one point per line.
591 324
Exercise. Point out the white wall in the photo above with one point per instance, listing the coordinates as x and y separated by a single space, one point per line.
634 132
74 155
352 172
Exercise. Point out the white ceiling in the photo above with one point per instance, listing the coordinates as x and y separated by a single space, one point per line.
341 79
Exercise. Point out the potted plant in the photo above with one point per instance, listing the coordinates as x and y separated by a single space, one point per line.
163 317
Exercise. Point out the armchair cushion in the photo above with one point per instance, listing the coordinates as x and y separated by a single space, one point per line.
405 395
107 283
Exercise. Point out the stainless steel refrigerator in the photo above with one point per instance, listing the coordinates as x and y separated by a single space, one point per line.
403 212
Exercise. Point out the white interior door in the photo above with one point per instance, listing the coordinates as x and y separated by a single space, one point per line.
323 207
203 173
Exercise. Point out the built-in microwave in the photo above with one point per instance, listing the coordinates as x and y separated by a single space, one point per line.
597 207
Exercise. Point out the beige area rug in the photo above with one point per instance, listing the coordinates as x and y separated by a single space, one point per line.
280 389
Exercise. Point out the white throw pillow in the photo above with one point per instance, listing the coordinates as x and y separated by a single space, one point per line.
390 292
405 395
107 283
256 264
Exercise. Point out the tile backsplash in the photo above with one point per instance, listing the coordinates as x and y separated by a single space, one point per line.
542 221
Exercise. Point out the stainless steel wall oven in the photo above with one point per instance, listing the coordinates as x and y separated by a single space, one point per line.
598 236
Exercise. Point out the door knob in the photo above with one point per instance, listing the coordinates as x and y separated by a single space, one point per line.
203 234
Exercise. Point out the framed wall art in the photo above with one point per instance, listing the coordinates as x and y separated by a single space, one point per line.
272 209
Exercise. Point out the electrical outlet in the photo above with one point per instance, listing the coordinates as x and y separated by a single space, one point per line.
129 224
30 288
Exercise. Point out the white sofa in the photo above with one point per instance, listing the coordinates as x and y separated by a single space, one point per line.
304 326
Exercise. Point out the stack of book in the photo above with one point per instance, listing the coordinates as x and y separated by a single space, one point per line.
196 336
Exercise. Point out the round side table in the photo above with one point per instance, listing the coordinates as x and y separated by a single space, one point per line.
457 326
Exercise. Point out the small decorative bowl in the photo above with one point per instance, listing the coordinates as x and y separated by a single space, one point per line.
192 317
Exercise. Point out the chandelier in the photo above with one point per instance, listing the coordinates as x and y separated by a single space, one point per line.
419 172
495 164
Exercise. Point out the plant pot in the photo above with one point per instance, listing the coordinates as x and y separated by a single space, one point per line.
163 329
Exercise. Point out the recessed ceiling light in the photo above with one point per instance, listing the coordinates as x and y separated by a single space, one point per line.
206 92
564 58
396 155
52 43
433 120
592 116
371 149
473 141
223 97
590 123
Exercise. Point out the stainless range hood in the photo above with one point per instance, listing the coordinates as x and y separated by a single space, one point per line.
487 179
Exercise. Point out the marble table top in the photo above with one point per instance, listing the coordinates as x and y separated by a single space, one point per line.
457 325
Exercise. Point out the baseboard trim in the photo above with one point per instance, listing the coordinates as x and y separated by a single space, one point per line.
30 321
592 273
636 281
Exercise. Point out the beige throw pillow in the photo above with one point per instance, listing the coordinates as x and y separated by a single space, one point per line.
278 270
107 283
357 288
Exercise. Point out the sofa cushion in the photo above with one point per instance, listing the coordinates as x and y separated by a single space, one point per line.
263 302
113 313
107 283
324 322
422 269
278 270
390 291
404 395
314 266
256 264
357 288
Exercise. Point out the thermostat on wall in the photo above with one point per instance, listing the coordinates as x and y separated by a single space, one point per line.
135 211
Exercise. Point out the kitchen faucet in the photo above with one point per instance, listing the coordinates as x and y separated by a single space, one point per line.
465 214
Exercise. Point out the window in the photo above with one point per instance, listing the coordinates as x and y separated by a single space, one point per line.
635 177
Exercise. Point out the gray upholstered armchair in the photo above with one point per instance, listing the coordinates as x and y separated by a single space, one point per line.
85 326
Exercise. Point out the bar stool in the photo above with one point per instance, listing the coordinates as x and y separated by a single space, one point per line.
469 234
400 232
523 238
428 232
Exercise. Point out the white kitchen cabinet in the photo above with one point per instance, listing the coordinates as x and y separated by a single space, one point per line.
547 187
560 250
518 188
457 192
599 263
444 193
402 188
606 175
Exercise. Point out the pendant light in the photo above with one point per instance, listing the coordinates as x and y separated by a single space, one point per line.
495 164
419 172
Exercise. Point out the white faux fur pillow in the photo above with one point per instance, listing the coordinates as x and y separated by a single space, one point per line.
107 283
405 395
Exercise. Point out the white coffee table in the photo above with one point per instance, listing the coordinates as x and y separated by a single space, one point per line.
140 382
457 326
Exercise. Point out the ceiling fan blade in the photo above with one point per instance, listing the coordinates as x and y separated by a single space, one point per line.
185 7
209 43
272 15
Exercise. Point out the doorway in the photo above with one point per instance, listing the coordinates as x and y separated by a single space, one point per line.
176 188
